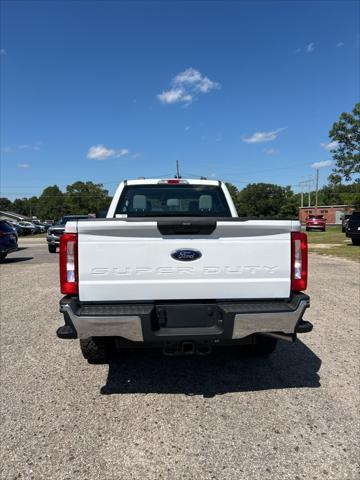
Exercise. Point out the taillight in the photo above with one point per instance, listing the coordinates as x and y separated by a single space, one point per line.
69 264
299 261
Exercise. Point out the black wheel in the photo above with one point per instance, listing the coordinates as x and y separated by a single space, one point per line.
355 241
263 346
2 256
96 349
307 229
52 248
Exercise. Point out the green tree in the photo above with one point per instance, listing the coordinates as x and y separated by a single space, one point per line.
32 206
6 204
51 203
234 193
267 200
86 197
21 206
346 132
328 195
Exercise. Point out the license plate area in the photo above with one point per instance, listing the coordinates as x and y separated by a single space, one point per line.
188 316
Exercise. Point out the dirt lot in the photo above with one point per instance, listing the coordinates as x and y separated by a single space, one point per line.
144 416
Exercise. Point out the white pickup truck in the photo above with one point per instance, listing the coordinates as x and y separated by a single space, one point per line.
173 266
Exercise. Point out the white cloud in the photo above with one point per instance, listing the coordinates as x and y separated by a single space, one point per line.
206 85
330 146
260 137
340 44
310 47
35 147
187 128
2 51
121 153
270 151
190 75
173 96
100 152
23 165
324 163
187 86
31 147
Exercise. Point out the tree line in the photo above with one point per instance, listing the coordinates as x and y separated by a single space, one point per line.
79 198
255 200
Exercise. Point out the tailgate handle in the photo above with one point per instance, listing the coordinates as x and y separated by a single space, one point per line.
191 227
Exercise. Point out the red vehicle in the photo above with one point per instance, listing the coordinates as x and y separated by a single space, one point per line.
316 222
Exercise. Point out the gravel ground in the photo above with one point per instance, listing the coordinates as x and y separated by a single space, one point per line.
225 416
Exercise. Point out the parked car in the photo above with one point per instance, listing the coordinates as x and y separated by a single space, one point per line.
54 232
8 239
28 228
16 227
344 222
316 222
353 228
40 227
173 266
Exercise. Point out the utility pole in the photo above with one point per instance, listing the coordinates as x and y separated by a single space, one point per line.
177 169
302 184
316 190
306 185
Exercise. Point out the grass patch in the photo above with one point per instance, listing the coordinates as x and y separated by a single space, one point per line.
333 242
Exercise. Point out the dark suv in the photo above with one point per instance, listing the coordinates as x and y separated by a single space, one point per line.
54 232
353 228
345 221
8 239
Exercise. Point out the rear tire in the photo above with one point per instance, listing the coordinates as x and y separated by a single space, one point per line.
52 248
355 241
2 256
96 349
307 229
263 346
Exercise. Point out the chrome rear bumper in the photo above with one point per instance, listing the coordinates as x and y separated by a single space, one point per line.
126 326
177 321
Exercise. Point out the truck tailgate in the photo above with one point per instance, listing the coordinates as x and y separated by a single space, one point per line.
121 260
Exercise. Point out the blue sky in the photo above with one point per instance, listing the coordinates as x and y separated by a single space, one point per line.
242 91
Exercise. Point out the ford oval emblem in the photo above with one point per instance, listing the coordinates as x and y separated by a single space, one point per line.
186 255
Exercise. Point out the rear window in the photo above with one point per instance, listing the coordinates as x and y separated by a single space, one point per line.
173 200
5 227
